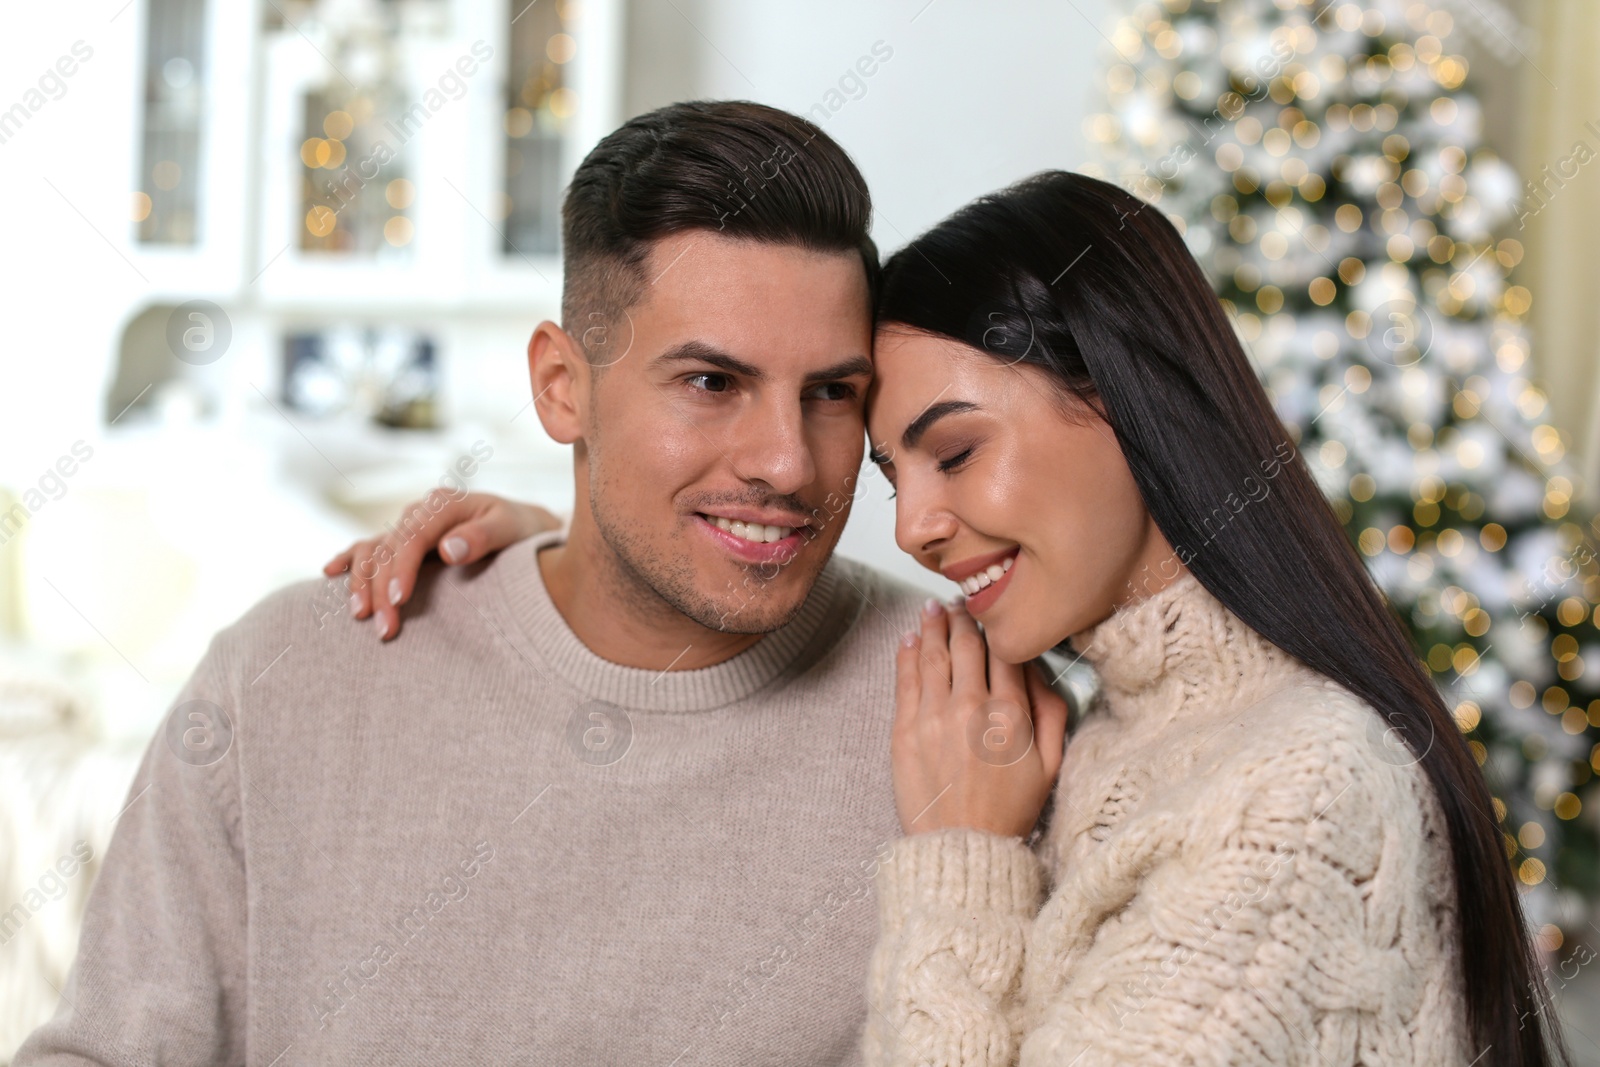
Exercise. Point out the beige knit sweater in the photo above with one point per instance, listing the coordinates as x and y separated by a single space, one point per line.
481 843
1238 869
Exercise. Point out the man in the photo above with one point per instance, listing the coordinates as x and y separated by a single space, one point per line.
615 795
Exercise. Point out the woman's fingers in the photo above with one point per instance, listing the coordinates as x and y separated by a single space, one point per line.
969 655
907 679
1049 719
933 660
395 580
493 527
463 544
967 758
370 584
363 570
398 567
463 528
338 564
1006 680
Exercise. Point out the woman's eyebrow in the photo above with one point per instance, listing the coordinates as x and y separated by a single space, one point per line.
930 415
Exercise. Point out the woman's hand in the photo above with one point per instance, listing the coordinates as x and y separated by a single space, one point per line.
977 743
383 570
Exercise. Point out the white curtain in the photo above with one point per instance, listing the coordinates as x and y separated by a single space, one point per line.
1561 85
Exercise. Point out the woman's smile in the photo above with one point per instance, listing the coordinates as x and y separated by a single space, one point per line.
983 578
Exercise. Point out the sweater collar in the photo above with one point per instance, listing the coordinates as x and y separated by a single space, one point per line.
1178 649
543 636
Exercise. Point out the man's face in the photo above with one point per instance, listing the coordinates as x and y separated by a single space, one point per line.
722 448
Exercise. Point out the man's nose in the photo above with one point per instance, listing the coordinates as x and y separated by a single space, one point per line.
772 447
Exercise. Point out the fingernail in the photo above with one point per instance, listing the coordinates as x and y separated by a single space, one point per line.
932 607
957 603
909 639
355 603
394 590
454 548
383 626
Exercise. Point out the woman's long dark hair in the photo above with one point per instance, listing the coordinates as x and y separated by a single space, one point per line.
1087 281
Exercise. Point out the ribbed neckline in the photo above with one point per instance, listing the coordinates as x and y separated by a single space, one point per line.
1180 648
544 634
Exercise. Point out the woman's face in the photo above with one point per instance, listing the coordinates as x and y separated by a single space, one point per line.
991 472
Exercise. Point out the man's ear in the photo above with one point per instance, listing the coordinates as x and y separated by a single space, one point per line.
561 378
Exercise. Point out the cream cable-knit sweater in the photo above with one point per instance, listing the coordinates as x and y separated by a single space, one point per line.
1238 869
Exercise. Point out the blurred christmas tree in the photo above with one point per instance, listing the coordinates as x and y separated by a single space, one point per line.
1323 160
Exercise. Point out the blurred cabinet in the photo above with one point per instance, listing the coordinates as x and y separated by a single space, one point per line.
316 168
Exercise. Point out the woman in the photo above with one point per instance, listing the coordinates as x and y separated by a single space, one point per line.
1268 841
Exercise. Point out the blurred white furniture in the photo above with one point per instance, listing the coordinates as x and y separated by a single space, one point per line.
61 788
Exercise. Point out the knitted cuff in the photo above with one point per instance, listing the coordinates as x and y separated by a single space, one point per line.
958 869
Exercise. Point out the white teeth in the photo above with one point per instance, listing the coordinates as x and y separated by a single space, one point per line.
986 577
753 531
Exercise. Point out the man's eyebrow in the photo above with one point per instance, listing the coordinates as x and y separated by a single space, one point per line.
847 368
700 352
930 415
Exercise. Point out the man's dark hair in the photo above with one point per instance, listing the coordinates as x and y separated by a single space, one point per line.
731 167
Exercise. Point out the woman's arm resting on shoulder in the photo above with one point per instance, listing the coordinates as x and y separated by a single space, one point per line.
464 528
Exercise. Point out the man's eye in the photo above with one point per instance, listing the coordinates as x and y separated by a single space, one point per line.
834 391
714 383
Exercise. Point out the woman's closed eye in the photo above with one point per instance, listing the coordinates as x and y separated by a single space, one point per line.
946 466
949 465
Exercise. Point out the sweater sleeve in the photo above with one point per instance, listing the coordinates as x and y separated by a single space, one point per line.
160 971
954 909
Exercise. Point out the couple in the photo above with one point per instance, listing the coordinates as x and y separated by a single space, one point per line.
672 785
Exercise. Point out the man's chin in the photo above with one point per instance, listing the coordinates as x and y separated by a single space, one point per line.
759 612
715 590
746 622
